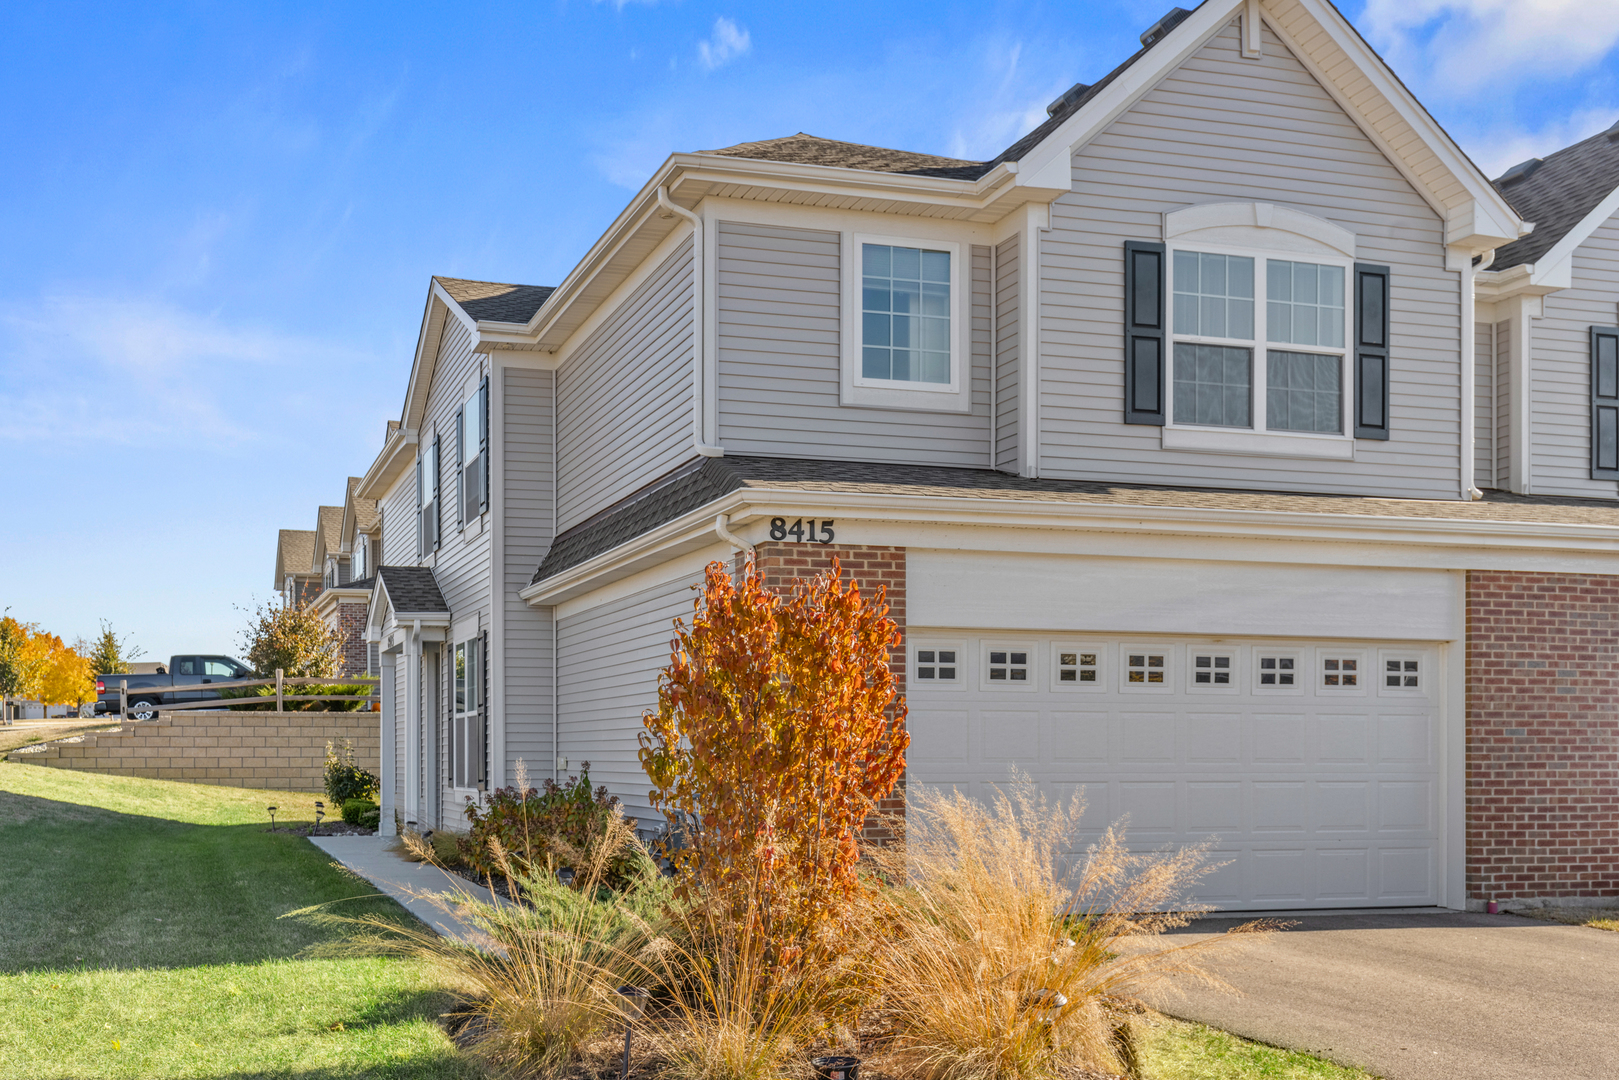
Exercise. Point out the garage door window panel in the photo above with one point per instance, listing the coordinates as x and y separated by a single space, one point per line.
1279 672
1341 673
1078 666
1401 673
939 665
1008 666
1146 669
1212 671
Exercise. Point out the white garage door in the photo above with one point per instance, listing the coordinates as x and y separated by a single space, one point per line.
1314 764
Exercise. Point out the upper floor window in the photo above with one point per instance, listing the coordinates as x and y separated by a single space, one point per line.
904 324
905 314
427 498
359 557
331 573
1232 369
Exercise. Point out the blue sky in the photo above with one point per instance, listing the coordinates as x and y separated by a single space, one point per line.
217 220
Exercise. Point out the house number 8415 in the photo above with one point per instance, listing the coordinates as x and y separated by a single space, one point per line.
802 531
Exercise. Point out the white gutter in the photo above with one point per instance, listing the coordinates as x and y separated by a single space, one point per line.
722 529
699 381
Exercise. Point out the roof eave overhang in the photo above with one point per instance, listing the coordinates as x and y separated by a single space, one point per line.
1525 279
695 530
689 179
397 454
1555 269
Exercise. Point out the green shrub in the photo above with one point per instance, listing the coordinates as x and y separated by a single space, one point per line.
355 810
344 779
543 830
290 694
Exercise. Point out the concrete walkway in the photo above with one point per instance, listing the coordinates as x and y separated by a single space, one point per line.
1426 996
405 881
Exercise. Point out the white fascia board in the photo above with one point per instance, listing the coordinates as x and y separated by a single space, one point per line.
422 365
397 452
1050 164
743 506
1555 269
1492 217
1525 279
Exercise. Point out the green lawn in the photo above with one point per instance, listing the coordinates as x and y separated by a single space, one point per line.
139 938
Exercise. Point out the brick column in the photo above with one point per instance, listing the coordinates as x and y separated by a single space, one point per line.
1542 736
780 563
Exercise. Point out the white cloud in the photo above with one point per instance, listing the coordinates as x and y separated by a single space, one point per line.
1496 151
728 42
1460 46
148 373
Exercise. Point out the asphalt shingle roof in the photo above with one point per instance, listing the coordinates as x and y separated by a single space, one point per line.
365 510
805 149
329 524
496 301
1558 195
294 552
706 480
412 589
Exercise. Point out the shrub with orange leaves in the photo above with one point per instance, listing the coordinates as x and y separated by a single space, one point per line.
776 733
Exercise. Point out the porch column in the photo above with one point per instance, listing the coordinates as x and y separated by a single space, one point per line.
390 746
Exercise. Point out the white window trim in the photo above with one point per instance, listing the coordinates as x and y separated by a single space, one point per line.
1030 651
473 520
1103 661
461 640
1169 653
1258 439
1362 671
961 665
1233 686
855 390
1424 673
1303 674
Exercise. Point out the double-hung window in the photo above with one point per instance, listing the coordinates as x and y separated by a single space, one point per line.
467 756
472 454
904 333
359 557
1258 343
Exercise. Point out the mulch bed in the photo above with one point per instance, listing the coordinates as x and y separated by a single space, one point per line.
328 828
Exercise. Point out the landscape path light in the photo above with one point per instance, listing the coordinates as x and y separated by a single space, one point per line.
272 810
632 1003
320 812
836 1067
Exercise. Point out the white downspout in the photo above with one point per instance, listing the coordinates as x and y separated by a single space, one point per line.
699 397
1469 387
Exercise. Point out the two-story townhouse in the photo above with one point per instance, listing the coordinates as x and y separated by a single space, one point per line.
1160 428
346 582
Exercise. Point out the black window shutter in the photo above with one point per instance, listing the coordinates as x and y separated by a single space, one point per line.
438 471
460 457
483 717
1605 402
1370 339
421 535
483 445
1144 337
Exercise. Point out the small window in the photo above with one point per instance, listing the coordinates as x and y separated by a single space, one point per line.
1402 674
359 558
1340 671
1146 667
1078 667
1008 666
936 665
1278 671
1212 669
466 732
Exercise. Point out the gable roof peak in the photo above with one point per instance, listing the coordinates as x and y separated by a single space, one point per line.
495 301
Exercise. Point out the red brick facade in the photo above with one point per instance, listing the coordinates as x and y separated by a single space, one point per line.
351 623
780 563
1542 735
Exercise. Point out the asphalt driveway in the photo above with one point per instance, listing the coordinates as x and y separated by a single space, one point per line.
1427 996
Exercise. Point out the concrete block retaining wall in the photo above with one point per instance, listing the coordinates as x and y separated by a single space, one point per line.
278 751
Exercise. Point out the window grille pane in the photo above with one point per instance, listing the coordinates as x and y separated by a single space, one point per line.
1212 385
1304 392
1214 295
1304 303
461 678
905 314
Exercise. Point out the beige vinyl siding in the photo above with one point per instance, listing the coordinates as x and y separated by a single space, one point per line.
1221 128
778 332
624 397
1484 378
1007 370
1503 403
607 663
528 523
1560 376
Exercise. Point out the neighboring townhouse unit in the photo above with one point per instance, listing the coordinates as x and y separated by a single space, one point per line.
1166 430
347 577
296 581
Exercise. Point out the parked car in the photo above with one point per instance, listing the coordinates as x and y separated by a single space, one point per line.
148 692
